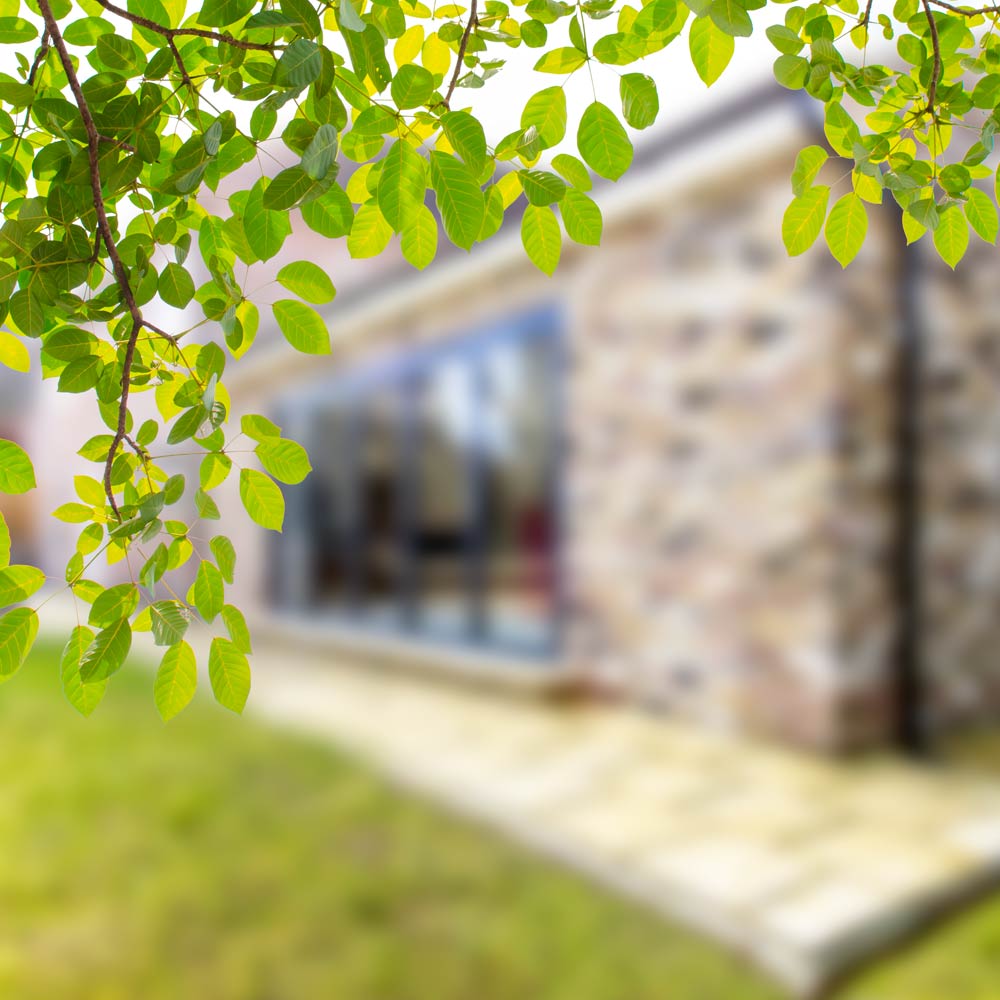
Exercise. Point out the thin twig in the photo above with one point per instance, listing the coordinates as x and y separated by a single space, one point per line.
172 33
965 11
43 51
472 23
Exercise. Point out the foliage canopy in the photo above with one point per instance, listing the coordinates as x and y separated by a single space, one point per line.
124 128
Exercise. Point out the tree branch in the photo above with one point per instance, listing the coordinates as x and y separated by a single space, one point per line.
936 68
965 11
171 33
472 22
106 236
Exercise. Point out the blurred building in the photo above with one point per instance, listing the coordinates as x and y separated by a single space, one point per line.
758 492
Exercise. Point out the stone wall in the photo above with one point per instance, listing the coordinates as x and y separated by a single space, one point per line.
731 454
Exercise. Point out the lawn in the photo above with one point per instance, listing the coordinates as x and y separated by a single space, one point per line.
213 858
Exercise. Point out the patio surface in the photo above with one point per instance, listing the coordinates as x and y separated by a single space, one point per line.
804 865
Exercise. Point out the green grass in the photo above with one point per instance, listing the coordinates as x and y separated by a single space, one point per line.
214 858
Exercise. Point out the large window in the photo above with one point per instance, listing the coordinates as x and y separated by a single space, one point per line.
433 507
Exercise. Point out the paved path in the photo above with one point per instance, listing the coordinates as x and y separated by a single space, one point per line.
805 865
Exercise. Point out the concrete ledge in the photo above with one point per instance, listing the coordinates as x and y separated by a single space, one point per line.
366 649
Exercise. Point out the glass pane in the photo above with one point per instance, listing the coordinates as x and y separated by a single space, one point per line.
520 523
328 503
441 535
382 550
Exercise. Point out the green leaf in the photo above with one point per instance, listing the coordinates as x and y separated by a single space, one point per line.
419 240
546 111
541 237
214 469
803 219
411 87
331 214
302 326
81 375
286 460
841 130
784 39
541 187
265 230
18 629
106 654
603 143
258 428
114 603
18 583
16 29
175 285
4 543
308 281
206 507
347 17
28 312
467 138
300 63
321 153
582 218
846 228
176 680
573 170
955 178
262 499
370 233
460 200
640 101
220 13
808 164
563 60
13 353
236 626
229 673
225 555
83 697
17 475
401 185
711 49
287 188
731 17
951 237
209 591
791 71
982 214
168 621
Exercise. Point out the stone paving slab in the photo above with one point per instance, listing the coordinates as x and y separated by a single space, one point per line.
805 865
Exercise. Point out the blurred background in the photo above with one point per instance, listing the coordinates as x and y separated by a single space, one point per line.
689 485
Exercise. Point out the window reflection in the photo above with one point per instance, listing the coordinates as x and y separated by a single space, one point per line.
431 507
518 441
442 539
378 499
329 511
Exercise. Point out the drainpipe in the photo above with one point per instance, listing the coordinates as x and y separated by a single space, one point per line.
912 732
